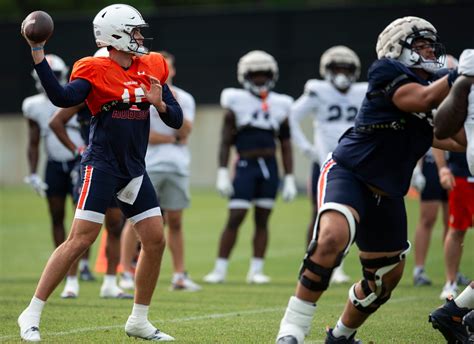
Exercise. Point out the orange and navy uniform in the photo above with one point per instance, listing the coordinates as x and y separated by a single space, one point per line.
120 123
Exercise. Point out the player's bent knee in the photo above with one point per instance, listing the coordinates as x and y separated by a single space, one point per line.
374 297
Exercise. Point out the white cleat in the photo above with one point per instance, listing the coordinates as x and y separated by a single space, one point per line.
449 290
145 330
126 282
339 276
29 327
185 284
257 278
114 293
215 277
71 291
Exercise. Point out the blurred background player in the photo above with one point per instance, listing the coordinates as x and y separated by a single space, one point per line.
333 104
432 197
167 163
362 187
118 91
455 177
455 117
38 109
114 218
254 117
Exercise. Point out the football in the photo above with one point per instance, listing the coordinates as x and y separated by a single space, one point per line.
38 26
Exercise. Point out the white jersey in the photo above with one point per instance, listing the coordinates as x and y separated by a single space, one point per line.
252 111
39 108
170 157
333 113
469 128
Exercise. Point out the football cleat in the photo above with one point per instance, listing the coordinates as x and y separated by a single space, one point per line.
448 320
114 293
145 330
29 330
215 277
450 290
257 278
330 339
287 340
462 279
126 281
184 284
86 275
421 279
71 290
339 276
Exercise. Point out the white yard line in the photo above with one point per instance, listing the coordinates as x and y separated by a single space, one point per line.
193 318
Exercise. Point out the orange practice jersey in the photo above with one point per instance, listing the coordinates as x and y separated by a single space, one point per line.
110 82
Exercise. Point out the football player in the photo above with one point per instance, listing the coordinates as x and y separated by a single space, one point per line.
455 117
118 91
333 104
361 187
254 117
113 220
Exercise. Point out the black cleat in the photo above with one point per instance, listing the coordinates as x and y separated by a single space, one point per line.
287 340
86 275
468 322
448 320
330 339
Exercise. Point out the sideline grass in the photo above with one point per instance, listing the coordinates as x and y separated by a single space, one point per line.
233 312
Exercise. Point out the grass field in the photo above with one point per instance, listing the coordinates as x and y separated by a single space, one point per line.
233 312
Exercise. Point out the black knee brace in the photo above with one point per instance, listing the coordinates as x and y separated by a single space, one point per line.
373 299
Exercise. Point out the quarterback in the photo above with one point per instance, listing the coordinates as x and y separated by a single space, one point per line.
118 90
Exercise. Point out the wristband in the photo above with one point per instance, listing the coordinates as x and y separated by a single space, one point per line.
37 48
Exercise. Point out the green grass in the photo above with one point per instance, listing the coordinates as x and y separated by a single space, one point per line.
233 312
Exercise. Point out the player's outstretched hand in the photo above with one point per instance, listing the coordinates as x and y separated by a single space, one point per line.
446 178
37 184
289 188
154 94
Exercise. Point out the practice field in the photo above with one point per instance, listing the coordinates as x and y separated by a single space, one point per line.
233 312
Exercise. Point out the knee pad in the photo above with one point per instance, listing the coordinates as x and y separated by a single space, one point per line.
375 298
323 272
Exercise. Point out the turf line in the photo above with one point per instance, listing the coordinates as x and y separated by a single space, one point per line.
193 318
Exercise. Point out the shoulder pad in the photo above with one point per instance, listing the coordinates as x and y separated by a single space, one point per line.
229 95
313 86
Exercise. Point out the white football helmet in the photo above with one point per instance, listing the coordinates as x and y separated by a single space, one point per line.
59 68
343 57
257 61
114 26
395 42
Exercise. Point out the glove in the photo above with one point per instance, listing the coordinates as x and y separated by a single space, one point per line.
289 188
37 184
223 183
466 63
418 180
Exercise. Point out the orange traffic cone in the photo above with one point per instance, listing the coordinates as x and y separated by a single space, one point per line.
101 261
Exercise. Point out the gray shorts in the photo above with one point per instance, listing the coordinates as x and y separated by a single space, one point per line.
172 189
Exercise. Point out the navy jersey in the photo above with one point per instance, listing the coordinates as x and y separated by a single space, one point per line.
84 118
385 143
457 163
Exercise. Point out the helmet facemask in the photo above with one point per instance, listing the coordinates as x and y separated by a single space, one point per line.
413 46
253 82
341 75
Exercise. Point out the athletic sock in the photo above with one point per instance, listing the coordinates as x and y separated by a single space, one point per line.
342 330
83 263
140 312
256 265
418 270
221 265
110 281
